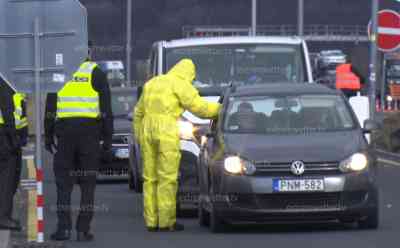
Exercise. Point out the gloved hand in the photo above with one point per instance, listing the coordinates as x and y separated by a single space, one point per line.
50 145
106 153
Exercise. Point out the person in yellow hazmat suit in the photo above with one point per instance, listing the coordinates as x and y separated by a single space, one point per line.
156 115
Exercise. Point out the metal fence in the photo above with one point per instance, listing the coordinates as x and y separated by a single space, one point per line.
315 32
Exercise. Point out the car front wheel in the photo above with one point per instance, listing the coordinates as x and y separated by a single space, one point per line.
203 215
216 223
372 220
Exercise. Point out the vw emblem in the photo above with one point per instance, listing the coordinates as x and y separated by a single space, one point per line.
297 168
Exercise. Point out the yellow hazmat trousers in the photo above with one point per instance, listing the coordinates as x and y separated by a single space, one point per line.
163 101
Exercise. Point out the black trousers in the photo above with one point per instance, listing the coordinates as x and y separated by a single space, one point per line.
8 172
76 161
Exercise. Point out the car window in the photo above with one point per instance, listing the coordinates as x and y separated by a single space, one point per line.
122 103
290 114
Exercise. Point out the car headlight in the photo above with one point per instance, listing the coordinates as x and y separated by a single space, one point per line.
356 162
186 129
236 165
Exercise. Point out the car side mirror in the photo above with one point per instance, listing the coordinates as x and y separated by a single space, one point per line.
210 134
129 117
370 125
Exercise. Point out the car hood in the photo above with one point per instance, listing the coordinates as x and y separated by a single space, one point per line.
122 125
313 147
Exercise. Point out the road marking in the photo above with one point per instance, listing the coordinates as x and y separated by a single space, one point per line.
387 153
390 162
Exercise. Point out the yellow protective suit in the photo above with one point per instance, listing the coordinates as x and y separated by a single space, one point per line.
156 115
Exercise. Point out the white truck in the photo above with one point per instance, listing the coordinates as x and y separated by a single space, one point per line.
220 62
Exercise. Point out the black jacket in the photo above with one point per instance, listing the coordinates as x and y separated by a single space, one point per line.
7 110
86 126
7 106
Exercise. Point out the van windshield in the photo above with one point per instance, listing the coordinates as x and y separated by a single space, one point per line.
289 114
221 65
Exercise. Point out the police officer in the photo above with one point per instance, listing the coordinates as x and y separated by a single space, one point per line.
9 156
80 117
21 124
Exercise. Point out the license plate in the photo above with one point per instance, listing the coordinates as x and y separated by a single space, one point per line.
298 185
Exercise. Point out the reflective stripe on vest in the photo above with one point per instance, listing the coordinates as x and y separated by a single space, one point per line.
21 121
78 99
1 118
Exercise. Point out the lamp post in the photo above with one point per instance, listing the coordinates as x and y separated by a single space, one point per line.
373 58
300 18
254 18
128 41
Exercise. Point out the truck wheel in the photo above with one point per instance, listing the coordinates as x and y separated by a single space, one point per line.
131 183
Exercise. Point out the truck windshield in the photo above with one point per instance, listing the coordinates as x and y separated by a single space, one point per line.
282 115
220 65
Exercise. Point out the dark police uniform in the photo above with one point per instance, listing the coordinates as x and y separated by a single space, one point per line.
9 147
79 116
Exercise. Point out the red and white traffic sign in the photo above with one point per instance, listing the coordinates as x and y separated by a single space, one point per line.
388 30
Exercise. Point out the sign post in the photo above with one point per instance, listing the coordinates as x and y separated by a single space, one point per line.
386 37
373 58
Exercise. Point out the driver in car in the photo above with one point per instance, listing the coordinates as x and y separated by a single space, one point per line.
247 120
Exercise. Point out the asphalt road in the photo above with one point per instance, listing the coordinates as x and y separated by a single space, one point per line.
119 223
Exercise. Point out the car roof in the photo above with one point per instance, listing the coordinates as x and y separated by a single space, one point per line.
187 42
282 89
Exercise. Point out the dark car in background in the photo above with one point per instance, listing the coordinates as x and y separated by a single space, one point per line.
116 165
284 153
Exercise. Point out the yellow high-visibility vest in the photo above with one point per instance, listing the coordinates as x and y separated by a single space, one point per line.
21 120
78 99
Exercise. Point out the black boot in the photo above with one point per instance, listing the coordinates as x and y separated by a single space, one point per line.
9 224
85 237
152 229
174 228
61 235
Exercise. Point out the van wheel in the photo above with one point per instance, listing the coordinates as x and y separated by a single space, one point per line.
137 182
371 222
216 223
203 215
131 179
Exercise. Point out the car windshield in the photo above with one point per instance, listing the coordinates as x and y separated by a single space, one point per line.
220 65
393 71
122 103
287 114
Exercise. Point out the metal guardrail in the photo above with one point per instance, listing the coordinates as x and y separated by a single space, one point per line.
342 33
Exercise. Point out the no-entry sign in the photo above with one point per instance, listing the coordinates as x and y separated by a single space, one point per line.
388 30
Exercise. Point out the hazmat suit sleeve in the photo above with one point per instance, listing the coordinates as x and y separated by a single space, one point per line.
138 116
190 100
